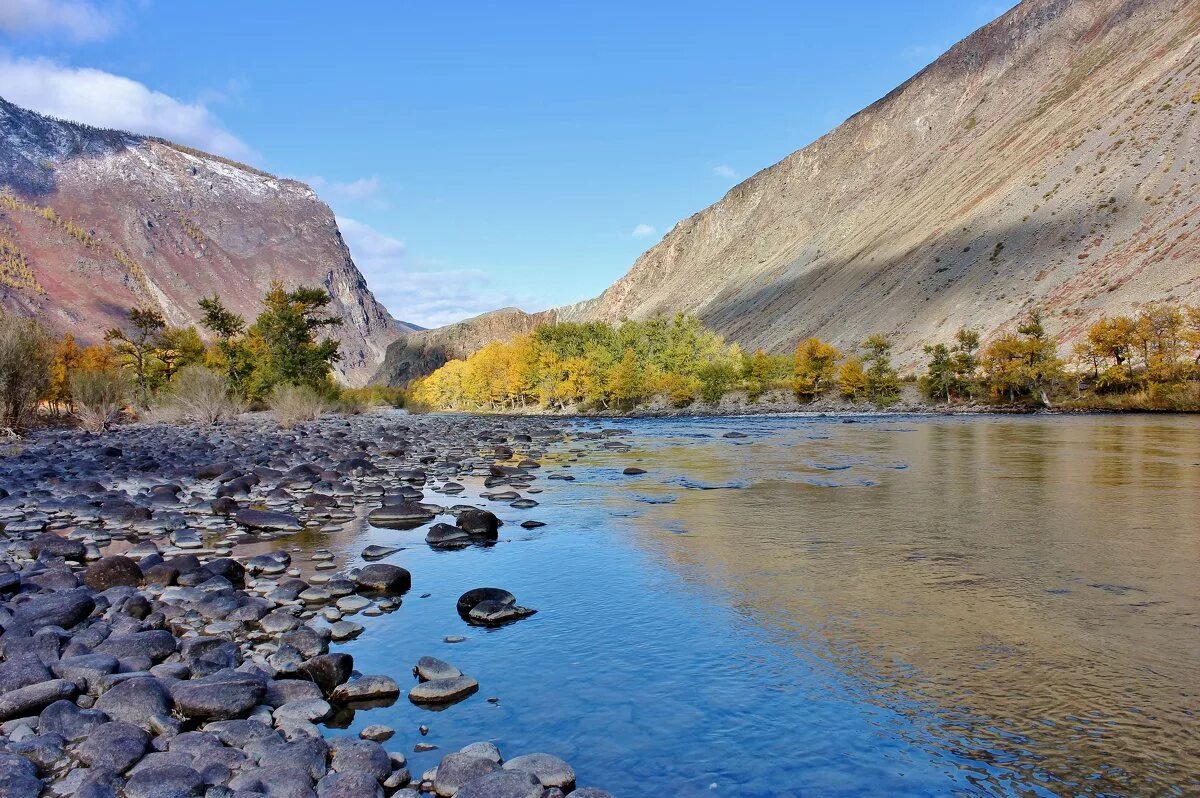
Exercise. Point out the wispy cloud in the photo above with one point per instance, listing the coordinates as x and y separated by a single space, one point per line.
643 231
103 99
362 190
725 171
415 292
77 20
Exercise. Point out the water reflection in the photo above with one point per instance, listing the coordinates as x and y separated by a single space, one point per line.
1027 584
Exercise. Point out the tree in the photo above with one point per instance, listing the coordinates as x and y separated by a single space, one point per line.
852 378
283 341
65 361
230 356
939 378
177 348
965 360
1023 364
625 381
137 346
815 366
882 383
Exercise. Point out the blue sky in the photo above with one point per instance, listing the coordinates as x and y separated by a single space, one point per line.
481 154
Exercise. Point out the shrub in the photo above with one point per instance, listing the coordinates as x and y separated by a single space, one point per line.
26 350
295 403
197 394
99 396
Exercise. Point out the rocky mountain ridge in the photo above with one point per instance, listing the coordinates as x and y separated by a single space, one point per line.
94 221
1049 159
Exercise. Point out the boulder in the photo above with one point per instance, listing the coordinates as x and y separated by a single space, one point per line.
384 579
113 571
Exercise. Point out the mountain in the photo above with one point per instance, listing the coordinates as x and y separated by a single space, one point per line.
93 222
425 351
1048 159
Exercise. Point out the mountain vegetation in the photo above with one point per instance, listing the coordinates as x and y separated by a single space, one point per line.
1147 361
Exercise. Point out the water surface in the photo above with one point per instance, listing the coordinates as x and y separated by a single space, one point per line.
896 606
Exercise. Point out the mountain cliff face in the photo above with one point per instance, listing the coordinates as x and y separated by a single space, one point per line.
425 351
93 222
1048 159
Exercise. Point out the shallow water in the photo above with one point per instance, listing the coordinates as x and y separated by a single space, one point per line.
898 606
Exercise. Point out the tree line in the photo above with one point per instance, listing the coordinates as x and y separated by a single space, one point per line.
147 364
1151 360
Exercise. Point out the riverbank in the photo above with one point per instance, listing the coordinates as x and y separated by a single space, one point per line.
911 402
164 631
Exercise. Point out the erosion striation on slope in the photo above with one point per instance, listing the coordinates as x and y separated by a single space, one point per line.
95 221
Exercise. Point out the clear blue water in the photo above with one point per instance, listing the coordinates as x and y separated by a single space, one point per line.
902 606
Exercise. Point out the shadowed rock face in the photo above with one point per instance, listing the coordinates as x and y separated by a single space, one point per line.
144 221
424 352
1048 158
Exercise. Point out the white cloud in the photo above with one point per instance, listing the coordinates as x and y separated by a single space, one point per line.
78 20
725 171
643 231
414 292
103 99
360 190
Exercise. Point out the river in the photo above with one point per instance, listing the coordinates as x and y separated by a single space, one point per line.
894 605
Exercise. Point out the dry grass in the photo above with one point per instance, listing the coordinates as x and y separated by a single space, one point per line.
25 353
98 397
293 404
196 395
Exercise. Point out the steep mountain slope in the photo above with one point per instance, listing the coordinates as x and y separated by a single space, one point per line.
93 222
425 351
1049 159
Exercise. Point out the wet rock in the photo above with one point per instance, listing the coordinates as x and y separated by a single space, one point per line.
490 606
349 755
503 784
327 671
443 691
458 769
590 792
484 749
445 536
633 471
268 520
377 732
384 579
550 770
429 668
374 552
479 523
366 688
405 515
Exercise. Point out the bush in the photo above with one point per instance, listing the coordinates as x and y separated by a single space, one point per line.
295 403
99 397
26 350
199 395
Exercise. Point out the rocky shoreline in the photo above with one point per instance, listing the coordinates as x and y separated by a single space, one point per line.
145 653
